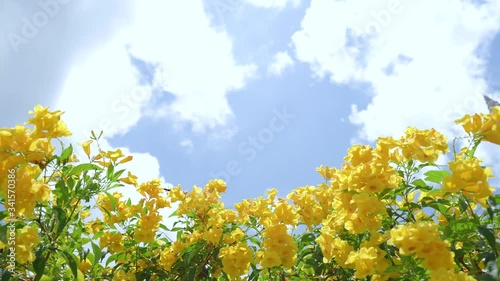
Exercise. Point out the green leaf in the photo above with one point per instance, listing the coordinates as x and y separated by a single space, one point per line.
98 234
305 252
39 263
491 214
254 276
97 253
174 214
308 238
61 217
473 150
6 275
486 277
421 184
175 229
3 214
489 234
164 227
112 200
71 260
110 171
61 191
462 205
494 200
436 176
85 167
192 272
66 153
3 233
118 174
112 258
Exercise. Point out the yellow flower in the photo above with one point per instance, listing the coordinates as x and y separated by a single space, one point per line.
167 259
85 265
326 172
26 241
470 178
130 179
236 259
268 259
121 275
217 185
359 154
485 125
333 247
114 242
114 155
423 239
213 235
84 214
152 188
94 226
237 234
86 147
364 261
176 194
449 275
272 193
144 235
47 124
126 159
286 213
423 145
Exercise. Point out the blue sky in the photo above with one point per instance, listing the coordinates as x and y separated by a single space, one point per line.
185 86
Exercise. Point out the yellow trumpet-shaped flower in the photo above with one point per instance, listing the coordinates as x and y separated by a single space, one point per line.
130 179
486 125
86 146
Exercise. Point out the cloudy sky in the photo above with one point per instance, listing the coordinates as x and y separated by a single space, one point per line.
256 92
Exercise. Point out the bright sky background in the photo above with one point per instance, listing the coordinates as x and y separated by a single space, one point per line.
257 92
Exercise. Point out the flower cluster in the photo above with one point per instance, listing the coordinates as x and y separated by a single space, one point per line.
470 178
485 126
236 259
424 240
27 150
388 213
26 241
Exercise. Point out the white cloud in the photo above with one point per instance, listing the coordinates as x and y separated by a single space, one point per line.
281 61
55 35
79 62
102 92
275 4
424 60
187 144
193 61
175 37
